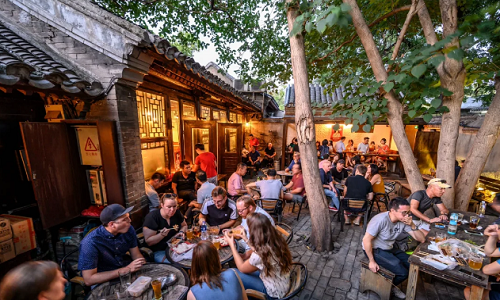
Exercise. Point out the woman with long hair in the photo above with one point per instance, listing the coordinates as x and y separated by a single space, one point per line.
34 280
207 278
268 268
375 179
349 156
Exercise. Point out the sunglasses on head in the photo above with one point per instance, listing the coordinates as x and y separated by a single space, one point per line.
169 195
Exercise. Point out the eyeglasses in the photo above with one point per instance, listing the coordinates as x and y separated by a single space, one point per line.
406 213
242 210
169 195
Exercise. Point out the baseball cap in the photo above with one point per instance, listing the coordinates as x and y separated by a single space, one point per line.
439 182
341 161
113 212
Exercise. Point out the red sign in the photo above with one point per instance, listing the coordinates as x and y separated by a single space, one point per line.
337 134
89 145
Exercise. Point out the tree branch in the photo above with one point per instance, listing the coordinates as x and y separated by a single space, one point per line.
409 16
387 15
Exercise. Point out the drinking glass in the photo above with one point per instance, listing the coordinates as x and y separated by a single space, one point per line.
189 234
125 277
156 284
216 242
196 231
475 261
474 220
440 236
460 218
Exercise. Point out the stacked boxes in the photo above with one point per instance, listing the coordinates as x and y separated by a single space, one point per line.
17 235
7 250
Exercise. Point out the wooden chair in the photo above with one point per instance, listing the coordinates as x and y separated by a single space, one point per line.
304 201
298 279
272 206
286 231
71 273
380 282
358 206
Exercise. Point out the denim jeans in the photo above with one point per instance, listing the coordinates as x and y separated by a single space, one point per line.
395 261
159 255
335 200
252 281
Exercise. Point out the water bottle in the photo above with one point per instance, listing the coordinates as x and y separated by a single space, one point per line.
203 229
452 227
482 209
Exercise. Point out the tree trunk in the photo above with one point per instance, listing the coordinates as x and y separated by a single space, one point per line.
395 114
485 139
306 135
452 75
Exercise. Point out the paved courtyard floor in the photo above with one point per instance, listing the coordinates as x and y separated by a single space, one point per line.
337 275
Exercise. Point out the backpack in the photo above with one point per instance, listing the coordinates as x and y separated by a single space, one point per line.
324 152
405 242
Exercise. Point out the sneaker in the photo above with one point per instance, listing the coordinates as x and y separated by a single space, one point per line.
333 208
396 292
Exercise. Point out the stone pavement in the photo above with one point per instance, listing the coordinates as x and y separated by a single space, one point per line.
337 275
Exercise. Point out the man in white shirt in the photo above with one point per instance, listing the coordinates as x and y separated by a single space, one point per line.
155 182
271 188
340 146
363 147
245 206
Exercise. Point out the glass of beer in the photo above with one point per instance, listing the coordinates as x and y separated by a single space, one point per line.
216 242
475 261
189 234
474 220
460 218
156 284
214 230
440 236
196 231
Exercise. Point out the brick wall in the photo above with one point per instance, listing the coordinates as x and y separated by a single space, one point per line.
260 129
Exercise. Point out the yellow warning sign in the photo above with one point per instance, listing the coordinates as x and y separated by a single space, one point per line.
88 139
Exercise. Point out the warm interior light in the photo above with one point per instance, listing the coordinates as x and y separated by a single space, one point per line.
329 125
348 126
247 124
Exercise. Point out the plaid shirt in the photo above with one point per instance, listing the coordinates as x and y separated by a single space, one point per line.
104 251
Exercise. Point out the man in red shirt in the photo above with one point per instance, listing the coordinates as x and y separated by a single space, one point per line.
253 141
207 162
296 186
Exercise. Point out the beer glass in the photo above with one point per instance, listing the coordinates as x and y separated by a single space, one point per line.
474 220
475 261
156 284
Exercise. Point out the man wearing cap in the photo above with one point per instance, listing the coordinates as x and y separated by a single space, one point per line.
422 200
102 251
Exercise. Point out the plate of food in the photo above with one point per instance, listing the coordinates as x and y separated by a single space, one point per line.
237 231
183 247
223 242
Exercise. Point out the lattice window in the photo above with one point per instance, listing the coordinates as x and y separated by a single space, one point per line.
240 119
205 113
223 117
188 110
216 115
151 114
232 117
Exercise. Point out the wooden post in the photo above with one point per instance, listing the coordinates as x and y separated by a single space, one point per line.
476 292
412 282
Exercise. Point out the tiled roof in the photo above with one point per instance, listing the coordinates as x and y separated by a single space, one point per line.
317 95
162 46
21 63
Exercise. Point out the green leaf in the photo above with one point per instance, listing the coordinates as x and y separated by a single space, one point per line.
345 7
309 27
418 103
336 127
376 113
332 19
355 128
412 113
436 102
321 26
400 77
457 54
363 89
388 86
467 41
347 121
367 128
418 70
427 118
447 93
436 60
297 28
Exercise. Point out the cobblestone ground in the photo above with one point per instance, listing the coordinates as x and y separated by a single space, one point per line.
337 275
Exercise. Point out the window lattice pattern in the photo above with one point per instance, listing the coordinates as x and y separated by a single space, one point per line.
216 115
232 117
223 117
240 119
151 113
205 112
188 110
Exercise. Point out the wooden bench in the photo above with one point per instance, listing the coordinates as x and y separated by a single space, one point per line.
380 282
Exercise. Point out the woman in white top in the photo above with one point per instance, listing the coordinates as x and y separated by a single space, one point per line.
268 268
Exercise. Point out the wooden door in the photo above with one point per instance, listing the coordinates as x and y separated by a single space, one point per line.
230 141
58 180
199 132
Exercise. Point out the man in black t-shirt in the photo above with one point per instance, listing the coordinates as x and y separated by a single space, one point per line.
161 225
219 211
269 156
184 185
422 200
339 173
357 187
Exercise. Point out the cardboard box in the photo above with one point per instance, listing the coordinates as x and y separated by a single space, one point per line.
23 233
7 251
5 230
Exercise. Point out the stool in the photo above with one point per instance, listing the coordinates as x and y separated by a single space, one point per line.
380 282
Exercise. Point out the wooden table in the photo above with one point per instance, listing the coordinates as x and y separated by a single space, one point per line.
109 289
284 176
416 265
225 255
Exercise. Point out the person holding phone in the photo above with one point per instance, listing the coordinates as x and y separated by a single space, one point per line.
162 225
